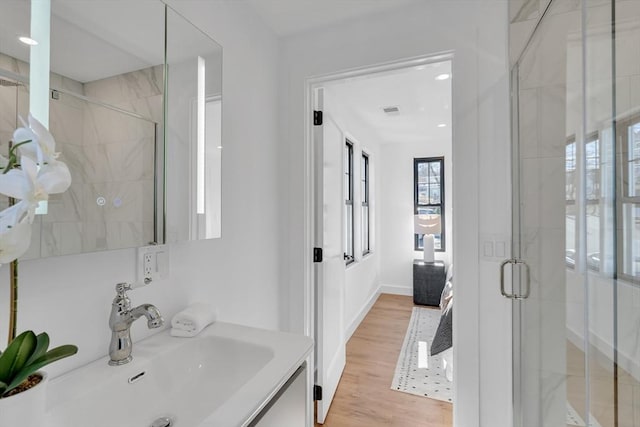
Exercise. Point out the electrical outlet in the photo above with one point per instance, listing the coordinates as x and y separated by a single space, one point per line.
153 264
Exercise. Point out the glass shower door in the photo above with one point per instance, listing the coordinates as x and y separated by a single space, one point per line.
547 105
576 158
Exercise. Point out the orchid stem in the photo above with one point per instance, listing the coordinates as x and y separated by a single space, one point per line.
13 300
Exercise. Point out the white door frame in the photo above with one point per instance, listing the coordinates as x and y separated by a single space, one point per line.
311 83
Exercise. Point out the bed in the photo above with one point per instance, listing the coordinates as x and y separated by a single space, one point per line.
442 343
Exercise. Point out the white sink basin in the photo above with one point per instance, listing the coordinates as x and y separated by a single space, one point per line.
220 378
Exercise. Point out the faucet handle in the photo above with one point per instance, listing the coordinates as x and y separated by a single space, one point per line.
122 288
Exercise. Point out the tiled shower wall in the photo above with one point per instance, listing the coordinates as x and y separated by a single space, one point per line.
110 153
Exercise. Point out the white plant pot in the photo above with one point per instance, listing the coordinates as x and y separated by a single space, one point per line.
26 409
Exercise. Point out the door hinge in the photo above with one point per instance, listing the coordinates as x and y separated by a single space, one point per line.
317 254
317 118
317 392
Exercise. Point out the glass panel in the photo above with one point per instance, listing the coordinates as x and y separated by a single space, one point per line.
365 229
627 289
548 150
434 194
576 336
348 220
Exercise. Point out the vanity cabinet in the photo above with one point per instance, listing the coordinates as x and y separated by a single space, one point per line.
288 406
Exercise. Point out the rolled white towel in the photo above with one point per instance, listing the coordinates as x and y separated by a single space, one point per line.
192 320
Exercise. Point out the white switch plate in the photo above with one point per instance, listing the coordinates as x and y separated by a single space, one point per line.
153 264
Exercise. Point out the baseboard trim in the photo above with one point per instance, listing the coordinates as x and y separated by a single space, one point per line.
396 290
362 314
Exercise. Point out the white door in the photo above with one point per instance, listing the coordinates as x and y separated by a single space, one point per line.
330 353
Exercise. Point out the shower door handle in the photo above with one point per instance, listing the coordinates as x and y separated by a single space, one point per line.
527 281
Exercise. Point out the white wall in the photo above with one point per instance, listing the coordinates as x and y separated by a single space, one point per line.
477 33
70 297
396 208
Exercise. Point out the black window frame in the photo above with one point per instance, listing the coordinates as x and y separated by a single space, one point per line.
366 249
348 201
417 205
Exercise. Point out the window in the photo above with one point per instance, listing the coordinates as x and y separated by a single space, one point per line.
348 202
593 210
629 200
364 191
428 177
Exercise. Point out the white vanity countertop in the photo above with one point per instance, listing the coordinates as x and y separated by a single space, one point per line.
222 378
290 351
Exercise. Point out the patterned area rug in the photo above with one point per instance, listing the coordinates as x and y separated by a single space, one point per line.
417 372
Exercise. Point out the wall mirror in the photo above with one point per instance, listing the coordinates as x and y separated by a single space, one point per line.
193 132
107 112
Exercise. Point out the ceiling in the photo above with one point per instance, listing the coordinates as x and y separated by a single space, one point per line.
287 17
423 102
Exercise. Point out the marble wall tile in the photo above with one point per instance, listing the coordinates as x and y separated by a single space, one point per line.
552 137
68 206
523 10
61 238
7 115
128 234
34 250
94 237
107 126
562 6
530 193
117 202
65 123
553 268
551 196
121 162
116 235
528 123
120 89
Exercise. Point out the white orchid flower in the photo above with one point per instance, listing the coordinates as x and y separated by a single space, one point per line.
14 241
54 177
32 187
42 147
12 215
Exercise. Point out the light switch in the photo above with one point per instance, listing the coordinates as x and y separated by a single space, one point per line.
501 249
488 249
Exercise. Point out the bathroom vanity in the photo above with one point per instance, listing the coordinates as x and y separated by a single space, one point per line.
227 376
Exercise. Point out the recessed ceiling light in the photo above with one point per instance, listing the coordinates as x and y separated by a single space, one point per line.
443 76
442 125
392 109
27 40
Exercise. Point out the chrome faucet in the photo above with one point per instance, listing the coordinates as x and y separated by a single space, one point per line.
120 320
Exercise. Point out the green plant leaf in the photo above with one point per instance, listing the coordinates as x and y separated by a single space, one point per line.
41 347
49 357
3 388
15 356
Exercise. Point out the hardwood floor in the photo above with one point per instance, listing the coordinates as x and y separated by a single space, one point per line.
364 397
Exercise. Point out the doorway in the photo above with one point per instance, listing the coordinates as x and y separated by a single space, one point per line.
370 127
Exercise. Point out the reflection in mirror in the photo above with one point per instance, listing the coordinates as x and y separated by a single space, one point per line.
105 113
194 133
